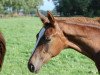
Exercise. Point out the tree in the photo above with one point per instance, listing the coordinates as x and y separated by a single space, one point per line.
16 5
31 5
78 7
1 7
95 7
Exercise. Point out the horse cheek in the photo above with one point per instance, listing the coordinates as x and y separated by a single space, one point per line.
57 48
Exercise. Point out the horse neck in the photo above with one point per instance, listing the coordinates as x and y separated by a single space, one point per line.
77 38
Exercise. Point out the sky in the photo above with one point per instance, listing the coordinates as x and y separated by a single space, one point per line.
47 5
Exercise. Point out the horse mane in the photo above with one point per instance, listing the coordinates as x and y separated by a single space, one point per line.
83 21
97 19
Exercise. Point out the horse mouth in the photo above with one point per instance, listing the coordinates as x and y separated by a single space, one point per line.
33 69
36 71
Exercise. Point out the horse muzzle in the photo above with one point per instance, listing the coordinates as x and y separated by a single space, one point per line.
34 68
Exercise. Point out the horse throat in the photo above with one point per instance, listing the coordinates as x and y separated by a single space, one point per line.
81 46
78 40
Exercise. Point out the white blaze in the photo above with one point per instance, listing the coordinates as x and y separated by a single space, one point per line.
39 37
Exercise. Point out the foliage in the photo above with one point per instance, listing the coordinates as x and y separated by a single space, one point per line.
20 39
16 5
1 7
78 7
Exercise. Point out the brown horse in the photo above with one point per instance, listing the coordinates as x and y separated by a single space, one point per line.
2 50
55 35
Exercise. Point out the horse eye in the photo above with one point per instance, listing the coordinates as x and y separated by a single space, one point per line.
47 38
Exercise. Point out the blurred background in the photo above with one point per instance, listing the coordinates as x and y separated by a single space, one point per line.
19 25
89 8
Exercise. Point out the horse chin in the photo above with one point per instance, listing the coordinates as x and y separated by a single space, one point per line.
36 71
37 68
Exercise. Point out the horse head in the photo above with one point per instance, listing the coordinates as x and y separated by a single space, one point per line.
50 42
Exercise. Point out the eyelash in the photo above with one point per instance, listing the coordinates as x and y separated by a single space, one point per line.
47 38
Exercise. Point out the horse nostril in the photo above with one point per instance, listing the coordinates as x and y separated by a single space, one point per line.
31 67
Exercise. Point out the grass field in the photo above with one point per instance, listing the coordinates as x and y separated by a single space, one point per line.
20 39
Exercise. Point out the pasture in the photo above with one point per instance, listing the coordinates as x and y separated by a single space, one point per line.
20 38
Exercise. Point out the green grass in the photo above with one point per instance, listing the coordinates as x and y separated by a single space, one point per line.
20 39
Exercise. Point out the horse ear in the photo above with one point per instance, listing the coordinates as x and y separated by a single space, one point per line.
50 17
42 17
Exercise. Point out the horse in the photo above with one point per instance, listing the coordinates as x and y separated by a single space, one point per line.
57 34
2 49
